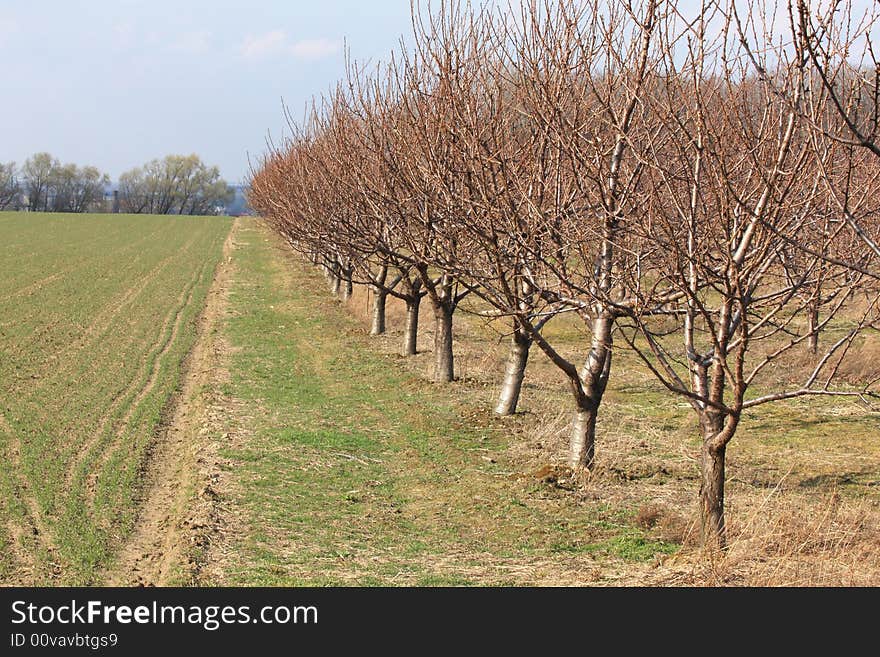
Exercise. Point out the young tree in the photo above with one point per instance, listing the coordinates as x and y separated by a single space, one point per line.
840 42
731 187
397 119
319 192
574 77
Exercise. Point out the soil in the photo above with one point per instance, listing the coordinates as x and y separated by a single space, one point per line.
179 513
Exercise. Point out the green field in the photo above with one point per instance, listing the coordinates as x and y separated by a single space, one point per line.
344 465
96 315
306 452
350 470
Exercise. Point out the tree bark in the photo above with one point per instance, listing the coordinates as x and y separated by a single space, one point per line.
582 445
444 364
517 359
712 497
380 299
712 483
347 288
411 330
593 381
813 327
335 283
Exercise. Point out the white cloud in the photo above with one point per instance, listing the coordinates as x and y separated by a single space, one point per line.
192 42
276 43
264 45
314 48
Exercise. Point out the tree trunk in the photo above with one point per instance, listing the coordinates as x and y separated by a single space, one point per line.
379 301
411 331
516 370
335 282
712 483
444 365
347 288
582 445
712 497
813 328
593 381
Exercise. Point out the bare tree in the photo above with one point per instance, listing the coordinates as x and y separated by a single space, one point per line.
37 175
177 184
10 188
654 172
75 189
732 186
580 71
841 44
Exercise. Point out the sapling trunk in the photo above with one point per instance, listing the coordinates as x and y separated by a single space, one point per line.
444 364
712 459
582 445
380 298
411 329
588 396
517 359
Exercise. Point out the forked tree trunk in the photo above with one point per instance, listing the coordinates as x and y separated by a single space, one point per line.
712 483
444 364
411 330
380 300
517 359
593 381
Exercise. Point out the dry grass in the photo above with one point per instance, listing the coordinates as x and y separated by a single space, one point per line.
803 494
786 540
862 365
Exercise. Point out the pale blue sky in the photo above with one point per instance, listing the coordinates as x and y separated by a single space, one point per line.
115 83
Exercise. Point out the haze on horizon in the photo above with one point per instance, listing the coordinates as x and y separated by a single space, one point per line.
115 84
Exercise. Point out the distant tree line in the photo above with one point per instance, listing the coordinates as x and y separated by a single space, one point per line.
177 184
43 184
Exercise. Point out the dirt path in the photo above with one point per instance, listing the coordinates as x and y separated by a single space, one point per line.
157 352
178 510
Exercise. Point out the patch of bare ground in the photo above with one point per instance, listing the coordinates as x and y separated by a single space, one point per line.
167 335
178 517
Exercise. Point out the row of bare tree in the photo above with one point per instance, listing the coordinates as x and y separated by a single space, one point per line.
689 180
